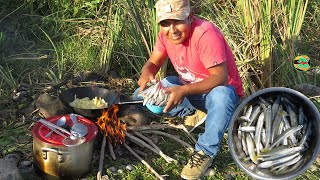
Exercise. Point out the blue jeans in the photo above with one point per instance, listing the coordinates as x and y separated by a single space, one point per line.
219 104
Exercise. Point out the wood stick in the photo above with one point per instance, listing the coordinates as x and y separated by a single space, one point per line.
141 153
162 126
154 146
113 156
187 132
143 161
99 174
188 146
147 139
143 144
150 127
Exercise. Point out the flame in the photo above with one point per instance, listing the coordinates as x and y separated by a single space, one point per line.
111 126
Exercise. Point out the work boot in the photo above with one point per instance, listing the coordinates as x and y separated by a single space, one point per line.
197 165
195 120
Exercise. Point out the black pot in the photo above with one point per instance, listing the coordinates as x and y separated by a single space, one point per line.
68 95
312 114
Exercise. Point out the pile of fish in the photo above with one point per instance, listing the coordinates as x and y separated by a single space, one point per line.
274 133
154 95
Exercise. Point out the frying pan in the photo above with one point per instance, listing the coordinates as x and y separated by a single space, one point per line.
68 95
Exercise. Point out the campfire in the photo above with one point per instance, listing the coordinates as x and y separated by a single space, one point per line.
116 132
111 125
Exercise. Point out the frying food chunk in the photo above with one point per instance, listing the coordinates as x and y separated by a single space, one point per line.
87 103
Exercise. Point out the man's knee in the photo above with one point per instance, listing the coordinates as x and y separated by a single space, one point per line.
220 92
222 96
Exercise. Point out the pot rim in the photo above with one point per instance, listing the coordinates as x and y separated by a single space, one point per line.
39 130
316 123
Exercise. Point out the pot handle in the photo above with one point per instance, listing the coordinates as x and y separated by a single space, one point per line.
61 155
57 86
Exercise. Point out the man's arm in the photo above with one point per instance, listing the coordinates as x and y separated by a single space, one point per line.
218 76
151 67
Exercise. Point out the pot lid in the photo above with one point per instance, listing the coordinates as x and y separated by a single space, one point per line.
40 131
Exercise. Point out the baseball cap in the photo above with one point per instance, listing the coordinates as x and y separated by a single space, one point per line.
172 9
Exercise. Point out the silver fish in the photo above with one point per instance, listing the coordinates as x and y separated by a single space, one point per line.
276 123
306 135
153 91
280 128
268 137
247 128
263 137
239 133
248 112
287 126
154 95
244 144
285 134
266 150
259 126
275 107
279 154
265 102
292 115
250 146
256 110
244 118
289 163
287 101
268 125
268 164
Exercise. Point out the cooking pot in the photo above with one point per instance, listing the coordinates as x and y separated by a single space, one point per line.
68 95
56 161
309 156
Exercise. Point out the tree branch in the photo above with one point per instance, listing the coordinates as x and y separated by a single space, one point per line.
143 161
99 174
113 156
154 146
143 144
188 146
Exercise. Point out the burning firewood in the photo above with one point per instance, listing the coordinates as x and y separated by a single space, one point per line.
111 125
111 151
111 128
115 132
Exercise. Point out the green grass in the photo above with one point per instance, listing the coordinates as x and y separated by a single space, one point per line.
15 137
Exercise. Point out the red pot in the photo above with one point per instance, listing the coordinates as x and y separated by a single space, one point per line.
56 160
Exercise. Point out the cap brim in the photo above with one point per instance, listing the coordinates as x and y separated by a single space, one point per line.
172 16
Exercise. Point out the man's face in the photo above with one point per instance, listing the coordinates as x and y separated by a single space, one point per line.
176 31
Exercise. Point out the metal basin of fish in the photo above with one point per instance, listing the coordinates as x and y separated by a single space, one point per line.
274 134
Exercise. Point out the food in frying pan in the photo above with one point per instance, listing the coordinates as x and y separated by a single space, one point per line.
87 103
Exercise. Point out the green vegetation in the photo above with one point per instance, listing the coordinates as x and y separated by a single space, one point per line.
100 36
49 41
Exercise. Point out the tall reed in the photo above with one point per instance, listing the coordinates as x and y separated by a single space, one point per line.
288 25
144 31
111 34
7 78
263 37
